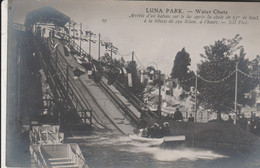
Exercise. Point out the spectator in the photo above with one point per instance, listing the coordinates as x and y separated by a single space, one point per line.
45 117
76 72
166 129
191 118
178 115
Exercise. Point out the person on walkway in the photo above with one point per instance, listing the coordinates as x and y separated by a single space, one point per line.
178 115
191 118
166 129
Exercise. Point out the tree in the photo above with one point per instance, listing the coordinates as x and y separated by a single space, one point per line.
254 67
216 81
181 69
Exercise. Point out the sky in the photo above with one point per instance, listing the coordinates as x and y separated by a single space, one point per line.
152 42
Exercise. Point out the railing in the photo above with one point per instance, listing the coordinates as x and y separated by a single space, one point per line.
77 47
77 157
78 94
45 165
56 60
68 84
136 102
127 112
35 157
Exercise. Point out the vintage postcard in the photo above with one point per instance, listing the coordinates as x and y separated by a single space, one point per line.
121 84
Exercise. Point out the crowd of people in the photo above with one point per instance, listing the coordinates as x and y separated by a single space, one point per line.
177 116
249 124
155 131
158 131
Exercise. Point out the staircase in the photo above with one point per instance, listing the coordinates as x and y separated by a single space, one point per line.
62 163
57 156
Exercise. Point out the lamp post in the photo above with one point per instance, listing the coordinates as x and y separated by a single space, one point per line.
196 92
80 39
160 96
99 46
90 33
235 108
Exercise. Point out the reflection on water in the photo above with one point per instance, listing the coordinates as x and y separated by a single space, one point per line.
122 152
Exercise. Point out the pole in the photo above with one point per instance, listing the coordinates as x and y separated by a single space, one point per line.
90 33
235 120
133 55
196 88
80 39
160 97
99 46
15 107
73 30
67 80
69 31
19 84
111 50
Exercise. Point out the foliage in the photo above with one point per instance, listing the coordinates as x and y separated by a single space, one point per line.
181 69
218 64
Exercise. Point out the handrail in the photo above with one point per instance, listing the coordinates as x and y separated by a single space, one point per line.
73 43
133 118
136 102
133 99
84 102
129 113
131 94
71 85
80 97
44 162
36 158
82 159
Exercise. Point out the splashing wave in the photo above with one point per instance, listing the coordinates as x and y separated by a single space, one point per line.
128 145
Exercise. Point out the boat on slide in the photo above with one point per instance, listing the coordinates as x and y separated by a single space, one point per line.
176 140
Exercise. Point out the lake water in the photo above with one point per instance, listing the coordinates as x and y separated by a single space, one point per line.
122 152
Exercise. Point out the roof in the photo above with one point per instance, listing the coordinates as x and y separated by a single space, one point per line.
46 14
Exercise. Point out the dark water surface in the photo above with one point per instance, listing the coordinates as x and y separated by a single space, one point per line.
122 152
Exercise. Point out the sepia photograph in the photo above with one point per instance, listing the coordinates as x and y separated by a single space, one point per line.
132 84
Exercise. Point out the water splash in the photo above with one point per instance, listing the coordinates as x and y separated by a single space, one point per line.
125 144
173 154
